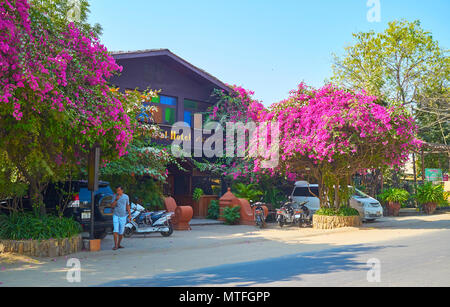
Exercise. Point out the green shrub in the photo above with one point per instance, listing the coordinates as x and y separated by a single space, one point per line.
343 211
31 227
197 194
275 197
429 193
394 195
231 215
213 210
445 202
248 192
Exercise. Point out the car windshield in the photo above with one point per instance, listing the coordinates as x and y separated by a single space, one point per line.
360 194
306 192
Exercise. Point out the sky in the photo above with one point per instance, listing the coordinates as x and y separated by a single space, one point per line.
268 46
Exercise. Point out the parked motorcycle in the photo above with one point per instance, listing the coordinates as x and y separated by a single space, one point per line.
144 221
260 218
293 214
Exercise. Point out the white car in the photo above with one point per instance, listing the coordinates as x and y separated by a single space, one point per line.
369 208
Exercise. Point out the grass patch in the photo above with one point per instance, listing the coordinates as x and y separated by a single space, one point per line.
29 227
346 211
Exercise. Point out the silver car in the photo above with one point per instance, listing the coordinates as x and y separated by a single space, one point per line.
369 208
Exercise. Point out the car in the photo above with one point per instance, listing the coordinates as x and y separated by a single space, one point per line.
305 192
79 207
369 208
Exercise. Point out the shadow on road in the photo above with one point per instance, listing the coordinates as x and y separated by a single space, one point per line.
287 268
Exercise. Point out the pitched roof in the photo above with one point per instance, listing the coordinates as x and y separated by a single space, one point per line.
121 55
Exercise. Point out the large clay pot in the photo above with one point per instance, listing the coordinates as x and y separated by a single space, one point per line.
393 209
429 208
184 216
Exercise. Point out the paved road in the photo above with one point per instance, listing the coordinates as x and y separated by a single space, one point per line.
415 261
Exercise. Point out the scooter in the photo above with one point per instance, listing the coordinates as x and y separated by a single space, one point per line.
143 221
260 218
294 214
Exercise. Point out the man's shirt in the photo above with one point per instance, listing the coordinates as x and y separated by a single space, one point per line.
121 209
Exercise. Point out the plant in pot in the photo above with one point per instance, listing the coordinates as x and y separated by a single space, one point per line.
393 199
198 193
196 196
429 196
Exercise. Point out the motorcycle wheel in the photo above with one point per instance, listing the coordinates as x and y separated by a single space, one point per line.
168 233
128 232
262 225
280 223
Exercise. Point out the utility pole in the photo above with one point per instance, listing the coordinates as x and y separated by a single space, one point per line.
93 174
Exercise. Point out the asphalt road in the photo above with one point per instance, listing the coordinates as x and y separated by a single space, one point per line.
415 261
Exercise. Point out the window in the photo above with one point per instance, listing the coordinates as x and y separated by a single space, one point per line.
166 109
192 107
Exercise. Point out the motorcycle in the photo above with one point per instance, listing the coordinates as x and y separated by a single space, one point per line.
143 221
260 218
294 214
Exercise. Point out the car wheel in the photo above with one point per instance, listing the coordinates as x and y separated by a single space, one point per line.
100 235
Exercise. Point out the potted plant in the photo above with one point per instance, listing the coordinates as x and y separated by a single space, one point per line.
429 196
394 198
198 193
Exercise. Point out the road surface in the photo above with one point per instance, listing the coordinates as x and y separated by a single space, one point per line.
418 261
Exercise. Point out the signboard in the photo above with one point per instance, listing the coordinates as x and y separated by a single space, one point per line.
445 177
433 175
195 137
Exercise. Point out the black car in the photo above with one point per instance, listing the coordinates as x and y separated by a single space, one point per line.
80 206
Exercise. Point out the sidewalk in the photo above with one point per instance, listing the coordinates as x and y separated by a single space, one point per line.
206 246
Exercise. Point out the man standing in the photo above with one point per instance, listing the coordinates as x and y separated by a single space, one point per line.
121 206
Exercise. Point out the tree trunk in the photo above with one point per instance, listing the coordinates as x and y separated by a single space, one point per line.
337 199
36 197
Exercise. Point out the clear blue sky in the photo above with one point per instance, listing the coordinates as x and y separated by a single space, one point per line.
267 46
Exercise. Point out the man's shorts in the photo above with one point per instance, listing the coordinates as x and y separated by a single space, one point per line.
119 224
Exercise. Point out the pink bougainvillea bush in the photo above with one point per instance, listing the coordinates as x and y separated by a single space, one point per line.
44 71
332 133
55 103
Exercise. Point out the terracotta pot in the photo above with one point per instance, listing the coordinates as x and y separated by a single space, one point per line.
95 245
393 209
183 217
429 208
